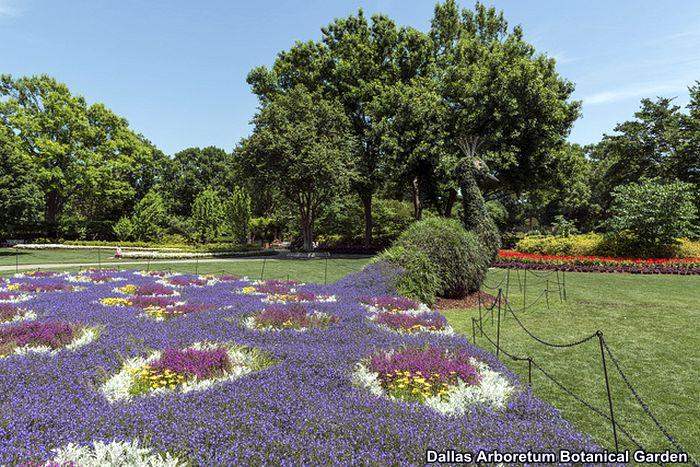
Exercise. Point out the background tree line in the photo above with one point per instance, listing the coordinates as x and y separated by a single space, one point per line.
357 134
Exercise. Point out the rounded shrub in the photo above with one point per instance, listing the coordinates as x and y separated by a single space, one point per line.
459 258
418 278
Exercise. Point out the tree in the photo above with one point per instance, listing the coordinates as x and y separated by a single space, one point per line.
300 144
238 215
148 221
21 200
88 162
506 104
191 171
207 216
654 213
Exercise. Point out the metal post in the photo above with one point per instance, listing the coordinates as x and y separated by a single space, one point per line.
546 293
607 388
99 259
473 332
561 298
507 283
196 266
520 284
524 286
262 270
529 371
498 327
16 261
563 282
325 274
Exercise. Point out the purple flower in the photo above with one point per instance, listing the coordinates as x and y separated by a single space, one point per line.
194 363
49 334
409 323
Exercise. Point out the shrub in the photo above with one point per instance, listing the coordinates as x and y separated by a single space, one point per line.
458 256
237 211
418 278
587 244
653 214
123 229
207 216
149 219
489 237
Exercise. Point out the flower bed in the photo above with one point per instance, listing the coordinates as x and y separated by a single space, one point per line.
296 399
129 453
14 297
48 337
411 323
193 368
10 313
517 260
297 317
391 304
94 276
449 382
146 290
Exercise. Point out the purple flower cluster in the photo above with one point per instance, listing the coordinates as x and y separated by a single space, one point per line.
185 281
8 311
432 321
151 290
276 287
193 362
145 301
294 316
390 303
304 409
428 362
35 334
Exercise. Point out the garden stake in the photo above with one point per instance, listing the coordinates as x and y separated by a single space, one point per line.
196 266
559 287
517 274
473 332
524 286
546 293
262 270
498 327
507 283
563 282
529 371
99 260
607 388
325 274
17 261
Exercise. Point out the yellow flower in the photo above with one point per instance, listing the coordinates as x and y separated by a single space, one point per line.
115 301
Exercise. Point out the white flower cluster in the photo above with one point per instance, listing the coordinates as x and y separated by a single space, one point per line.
17 297
117 387
114 454
151 274
119 290
493 389
279 298
210 280
422 308
250 323
86 336
22 315
83 279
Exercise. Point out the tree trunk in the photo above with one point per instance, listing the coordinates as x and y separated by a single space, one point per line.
417 207
53 207
307 231
451 199
367 205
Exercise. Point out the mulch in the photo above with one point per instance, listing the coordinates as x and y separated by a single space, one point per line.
470 301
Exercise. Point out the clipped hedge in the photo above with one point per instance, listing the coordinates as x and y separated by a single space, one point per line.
418 278
593 244
458 256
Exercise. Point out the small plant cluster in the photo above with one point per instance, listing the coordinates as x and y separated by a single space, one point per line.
10 313
390 303
297 316
146 290
517 260
43 337
280 291
412 323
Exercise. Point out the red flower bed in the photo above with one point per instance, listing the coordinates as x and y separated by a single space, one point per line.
517 260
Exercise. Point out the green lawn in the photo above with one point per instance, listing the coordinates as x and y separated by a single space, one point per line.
12 256
650 324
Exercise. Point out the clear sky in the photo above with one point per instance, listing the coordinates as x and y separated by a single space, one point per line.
176 69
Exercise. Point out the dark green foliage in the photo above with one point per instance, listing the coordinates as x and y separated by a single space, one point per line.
148 221
207 216
419 279
652 215
237 211
458 256
475 216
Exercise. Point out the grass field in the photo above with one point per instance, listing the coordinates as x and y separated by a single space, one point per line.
650 323
12 256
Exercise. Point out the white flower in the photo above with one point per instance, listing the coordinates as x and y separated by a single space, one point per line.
493 389
86 336
23 315
114 454
422 308
117 387
18 298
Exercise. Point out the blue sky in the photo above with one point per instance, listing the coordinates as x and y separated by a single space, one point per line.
176 69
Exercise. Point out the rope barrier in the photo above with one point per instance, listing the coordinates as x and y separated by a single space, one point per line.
547 343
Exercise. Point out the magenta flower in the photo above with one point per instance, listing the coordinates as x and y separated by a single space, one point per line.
429 362
142 301
47 287
410 323
35 334
9 311
153 290
194 363
391 303
296 316
182 281
276 287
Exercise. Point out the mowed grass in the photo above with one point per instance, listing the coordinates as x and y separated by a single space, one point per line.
649 322
12 256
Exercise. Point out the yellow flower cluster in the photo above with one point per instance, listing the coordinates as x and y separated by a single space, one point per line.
155 379
128 289
415 386
156 311
420 327
249 290
286 297
12 287
115 301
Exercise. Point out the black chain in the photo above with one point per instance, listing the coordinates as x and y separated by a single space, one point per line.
645 407
512 357
587 404
550 344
